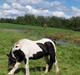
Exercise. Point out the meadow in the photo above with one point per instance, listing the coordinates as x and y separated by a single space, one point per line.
68 54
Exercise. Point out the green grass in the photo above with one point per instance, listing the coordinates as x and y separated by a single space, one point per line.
68 54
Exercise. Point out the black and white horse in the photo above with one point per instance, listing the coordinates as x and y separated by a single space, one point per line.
26 49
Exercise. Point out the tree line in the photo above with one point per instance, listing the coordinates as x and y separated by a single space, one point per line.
58 22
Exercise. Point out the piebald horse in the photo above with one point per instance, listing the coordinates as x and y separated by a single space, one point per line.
25 49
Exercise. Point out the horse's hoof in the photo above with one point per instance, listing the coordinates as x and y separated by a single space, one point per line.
10 74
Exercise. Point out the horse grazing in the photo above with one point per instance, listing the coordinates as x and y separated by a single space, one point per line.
26 49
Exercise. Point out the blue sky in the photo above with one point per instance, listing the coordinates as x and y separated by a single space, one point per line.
59 8
1 2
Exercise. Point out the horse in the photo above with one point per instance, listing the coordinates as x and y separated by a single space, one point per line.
26 49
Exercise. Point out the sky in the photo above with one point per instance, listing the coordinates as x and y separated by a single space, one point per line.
59 8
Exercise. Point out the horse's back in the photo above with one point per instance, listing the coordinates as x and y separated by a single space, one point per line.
44 40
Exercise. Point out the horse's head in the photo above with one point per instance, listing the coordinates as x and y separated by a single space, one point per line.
11 61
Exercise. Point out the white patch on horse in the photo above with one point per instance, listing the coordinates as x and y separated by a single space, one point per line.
28 47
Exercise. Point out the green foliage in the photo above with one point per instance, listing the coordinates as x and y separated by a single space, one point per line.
58 22
75 23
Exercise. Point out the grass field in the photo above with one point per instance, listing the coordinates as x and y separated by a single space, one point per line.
68 54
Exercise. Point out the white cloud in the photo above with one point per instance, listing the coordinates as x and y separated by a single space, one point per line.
56 3
37 7
34 1
34 11
17 9
59 14
17 6
25 1
0 14
46 12
58 6
5 6
28 7
13 10
75 11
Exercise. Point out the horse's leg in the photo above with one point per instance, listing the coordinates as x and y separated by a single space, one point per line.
14 68
47 60
51 50
56 66
27 66
51 61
